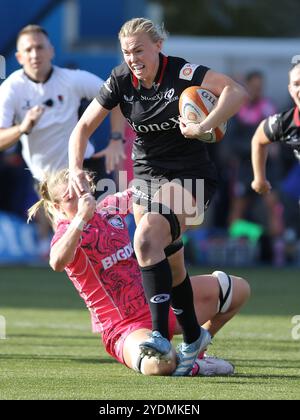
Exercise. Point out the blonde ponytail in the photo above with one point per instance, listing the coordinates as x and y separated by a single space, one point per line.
46 201
34 209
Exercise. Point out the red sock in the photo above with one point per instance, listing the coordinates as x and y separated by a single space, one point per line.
200 355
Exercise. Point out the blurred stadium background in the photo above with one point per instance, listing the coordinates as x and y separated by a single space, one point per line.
230 36
45 323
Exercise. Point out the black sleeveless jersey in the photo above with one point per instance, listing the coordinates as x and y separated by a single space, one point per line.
153 114
285 127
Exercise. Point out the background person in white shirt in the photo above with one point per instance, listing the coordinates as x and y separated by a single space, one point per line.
39 106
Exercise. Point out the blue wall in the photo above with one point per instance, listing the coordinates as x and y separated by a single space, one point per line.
14 14
104 19
99 20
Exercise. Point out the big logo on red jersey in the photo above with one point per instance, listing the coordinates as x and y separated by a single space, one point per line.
120 255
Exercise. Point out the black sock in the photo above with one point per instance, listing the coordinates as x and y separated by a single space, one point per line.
182 303
157 283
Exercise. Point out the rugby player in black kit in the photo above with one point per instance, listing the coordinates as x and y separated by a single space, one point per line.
284 127
148 86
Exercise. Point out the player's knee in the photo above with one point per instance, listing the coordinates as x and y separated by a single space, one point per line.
142 242
151 366
149 235
243 290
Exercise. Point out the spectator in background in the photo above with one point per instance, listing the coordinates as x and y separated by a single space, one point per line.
39 106
281 128
240 131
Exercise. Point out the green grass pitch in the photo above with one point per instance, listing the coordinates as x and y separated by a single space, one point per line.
50 353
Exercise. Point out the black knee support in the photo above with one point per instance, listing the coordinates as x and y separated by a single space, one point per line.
173 248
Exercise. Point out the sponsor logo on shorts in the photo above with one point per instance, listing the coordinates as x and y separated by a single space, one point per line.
177 311
206 205
160 298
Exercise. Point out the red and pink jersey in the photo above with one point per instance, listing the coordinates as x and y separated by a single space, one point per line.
104 269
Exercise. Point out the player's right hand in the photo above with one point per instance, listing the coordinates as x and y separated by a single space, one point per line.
78 183
194 130
86 206
31 118
262 186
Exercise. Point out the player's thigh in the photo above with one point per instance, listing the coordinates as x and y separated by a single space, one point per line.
131 348
182 202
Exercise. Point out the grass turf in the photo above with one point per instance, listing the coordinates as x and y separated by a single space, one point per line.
50 353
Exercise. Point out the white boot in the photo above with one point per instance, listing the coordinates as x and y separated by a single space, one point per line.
212 366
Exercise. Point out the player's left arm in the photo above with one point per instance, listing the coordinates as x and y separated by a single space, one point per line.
114 153
88 123
231 97
259 155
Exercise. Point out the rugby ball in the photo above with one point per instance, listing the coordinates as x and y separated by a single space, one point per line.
195 103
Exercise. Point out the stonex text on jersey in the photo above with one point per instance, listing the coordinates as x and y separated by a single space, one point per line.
166 125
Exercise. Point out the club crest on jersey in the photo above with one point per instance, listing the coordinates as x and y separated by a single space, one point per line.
187 71
116 222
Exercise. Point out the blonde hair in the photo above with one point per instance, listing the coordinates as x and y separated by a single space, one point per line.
47 190
295 66
143 25
32 29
